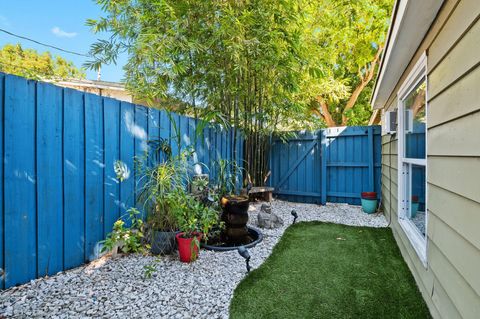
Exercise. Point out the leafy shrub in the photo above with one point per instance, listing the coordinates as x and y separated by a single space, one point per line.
126 239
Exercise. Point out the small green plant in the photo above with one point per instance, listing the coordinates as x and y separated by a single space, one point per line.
192 216
149 270
229 177
126 239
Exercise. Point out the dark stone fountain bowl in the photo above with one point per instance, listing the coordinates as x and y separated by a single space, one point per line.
254 233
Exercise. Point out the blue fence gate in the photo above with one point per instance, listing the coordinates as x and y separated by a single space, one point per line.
330 165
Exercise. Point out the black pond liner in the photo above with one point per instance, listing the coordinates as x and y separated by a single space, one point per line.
254 233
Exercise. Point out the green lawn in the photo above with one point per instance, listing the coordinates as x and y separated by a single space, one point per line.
322 270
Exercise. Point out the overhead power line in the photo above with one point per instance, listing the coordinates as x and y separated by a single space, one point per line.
44 44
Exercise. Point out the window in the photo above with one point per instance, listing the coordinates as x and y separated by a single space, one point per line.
412 150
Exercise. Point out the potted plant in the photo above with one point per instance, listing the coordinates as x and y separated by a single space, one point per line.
158 181
414 206
369 202
195 220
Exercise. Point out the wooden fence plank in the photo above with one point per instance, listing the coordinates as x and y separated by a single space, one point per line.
299 159
323 174
218 143
49 179
127 146
184 135
74 178
371 158
111 191
212 156
175 134
153 124
94 167
164 127
141 147
2 198
20 178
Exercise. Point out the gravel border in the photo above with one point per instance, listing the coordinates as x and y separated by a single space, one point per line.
117 288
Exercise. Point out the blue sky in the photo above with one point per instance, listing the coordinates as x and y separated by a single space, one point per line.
57 22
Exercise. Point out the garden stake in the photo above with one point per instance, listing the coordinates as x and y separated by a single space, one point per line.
295 216
244 253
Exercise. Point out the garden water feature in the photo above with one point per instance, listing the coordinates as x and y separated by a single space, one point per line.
235 233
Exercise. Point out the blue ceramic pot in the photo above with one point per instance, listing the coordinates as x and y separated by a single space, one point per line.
369 206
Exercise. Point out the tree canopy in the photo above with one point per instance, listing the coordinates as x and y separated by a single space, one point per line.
345 41
33 65
264 66
273 62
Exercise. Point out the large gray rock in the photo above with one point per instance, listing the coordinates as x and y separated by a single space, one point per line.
267 219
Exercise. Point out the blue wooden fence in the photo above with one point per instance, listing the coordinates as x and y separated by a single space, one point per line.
331 165
58 190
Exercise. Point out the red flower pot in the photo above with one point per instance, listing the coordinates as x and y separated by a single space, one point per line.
369 195
187 248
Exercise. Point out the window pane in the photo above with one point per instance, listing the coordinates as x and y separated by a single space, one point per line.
415 119
415 195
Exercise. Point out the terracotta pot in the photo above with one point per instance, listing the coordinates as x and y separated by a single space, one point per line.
369 195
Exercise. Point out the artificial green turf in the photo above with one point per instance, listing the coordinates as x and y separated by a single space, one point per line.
323 270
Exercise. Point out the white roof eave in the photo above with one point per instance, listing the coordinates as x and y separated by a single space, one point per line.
410 24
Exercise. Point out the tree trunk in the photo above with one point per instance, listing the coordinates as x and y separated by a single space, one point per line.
324 112
364 80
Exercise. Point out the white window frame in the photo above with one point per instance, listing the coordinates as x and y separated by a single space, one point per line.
417 240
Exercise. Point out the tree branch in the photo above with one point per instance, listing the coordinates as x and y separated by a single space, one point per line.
325 113
364 80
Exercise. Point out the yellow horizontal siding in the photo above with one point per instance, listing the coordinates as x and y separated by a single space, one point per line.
442 303
460 99
464 14
461 214
393 187
386 178
460 175
466 261
390 160
462 137
466 301
458 61
423 276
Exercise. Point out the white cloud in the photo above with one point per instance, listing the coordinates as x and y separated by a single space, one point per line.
63 34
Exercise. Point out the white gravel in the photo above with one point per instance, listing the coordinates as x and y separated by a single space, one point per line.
117 288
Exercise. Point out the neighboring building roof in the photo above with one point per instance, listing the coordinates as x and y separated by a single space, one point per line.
411 20
104 88
93 84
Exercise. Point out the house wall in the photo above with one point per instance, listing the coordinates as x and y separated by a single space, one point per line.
450 283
